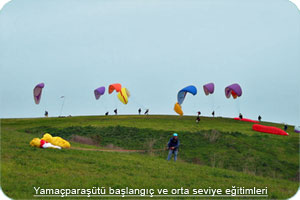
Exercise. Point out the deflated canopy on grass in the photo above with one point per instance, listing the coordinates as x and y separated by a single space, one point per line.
37 92
58 141
50 142
269 129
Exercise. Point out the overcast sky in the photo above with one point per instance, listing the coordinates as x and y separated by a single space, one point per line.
154 48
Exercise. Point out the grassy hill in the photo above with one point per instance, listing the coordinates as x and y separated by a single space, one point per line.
217 153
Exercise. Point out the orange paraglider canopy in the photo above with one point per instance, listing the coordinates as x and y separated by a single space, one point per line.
115 86
177 109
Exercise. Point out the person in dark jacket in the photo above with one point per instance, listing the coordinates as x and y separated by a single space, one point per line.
173 146
116 111
140 110
241 116
285 127
213 113
259 118
198 119
146 112
106 113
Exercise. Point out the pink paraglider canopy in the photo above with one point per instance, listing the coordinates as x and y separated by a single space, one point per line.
37 92
235 90
209 88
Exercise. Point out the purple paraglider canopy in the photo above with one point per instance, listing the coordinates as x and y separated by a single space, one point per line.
235 90
37 92
98 92
209 88
297 129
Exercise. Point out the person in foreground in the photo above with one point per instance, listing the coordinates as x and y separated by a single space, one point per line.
173 146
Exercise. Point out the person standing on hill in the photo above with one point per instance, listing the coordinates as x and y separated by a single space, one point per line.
140 110
147 111
116 111
173 146
198 119
106 113
241 116
46 113
285 127
259 118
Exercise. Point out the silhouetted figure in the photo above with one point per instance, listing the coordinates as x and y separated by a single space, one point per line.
198 119
46 113
106 113
259 118
116 111
241 116
199 113
213 113
285 127
146 112
140 110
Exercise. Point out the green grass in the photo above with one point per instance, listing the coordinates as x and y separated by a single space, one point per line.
211 148
157 122
231 154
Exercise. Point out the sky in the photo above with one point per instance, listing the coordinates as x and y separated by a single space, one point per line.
153 48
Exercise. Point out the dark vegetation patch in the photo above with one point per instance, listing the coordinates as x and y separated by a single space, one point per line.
261 154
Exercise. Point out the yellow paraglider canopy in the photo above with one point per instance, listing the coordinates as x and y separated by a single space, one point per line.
58 141
177 109
35 142
123 95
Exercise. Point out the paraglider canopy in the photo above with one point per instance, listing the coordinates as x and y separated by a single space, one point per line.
98 92
246 120
123 95
115 86
209 88
182 93
177 109
269 129
37 92
233 90
297 129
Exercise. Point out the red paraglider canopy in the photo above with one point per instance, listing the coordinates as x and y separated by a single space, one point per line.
115 86
234 95
269 129
246 120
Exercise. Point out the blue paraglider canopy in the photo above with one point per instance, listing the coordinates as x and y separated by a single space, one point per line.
182 93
